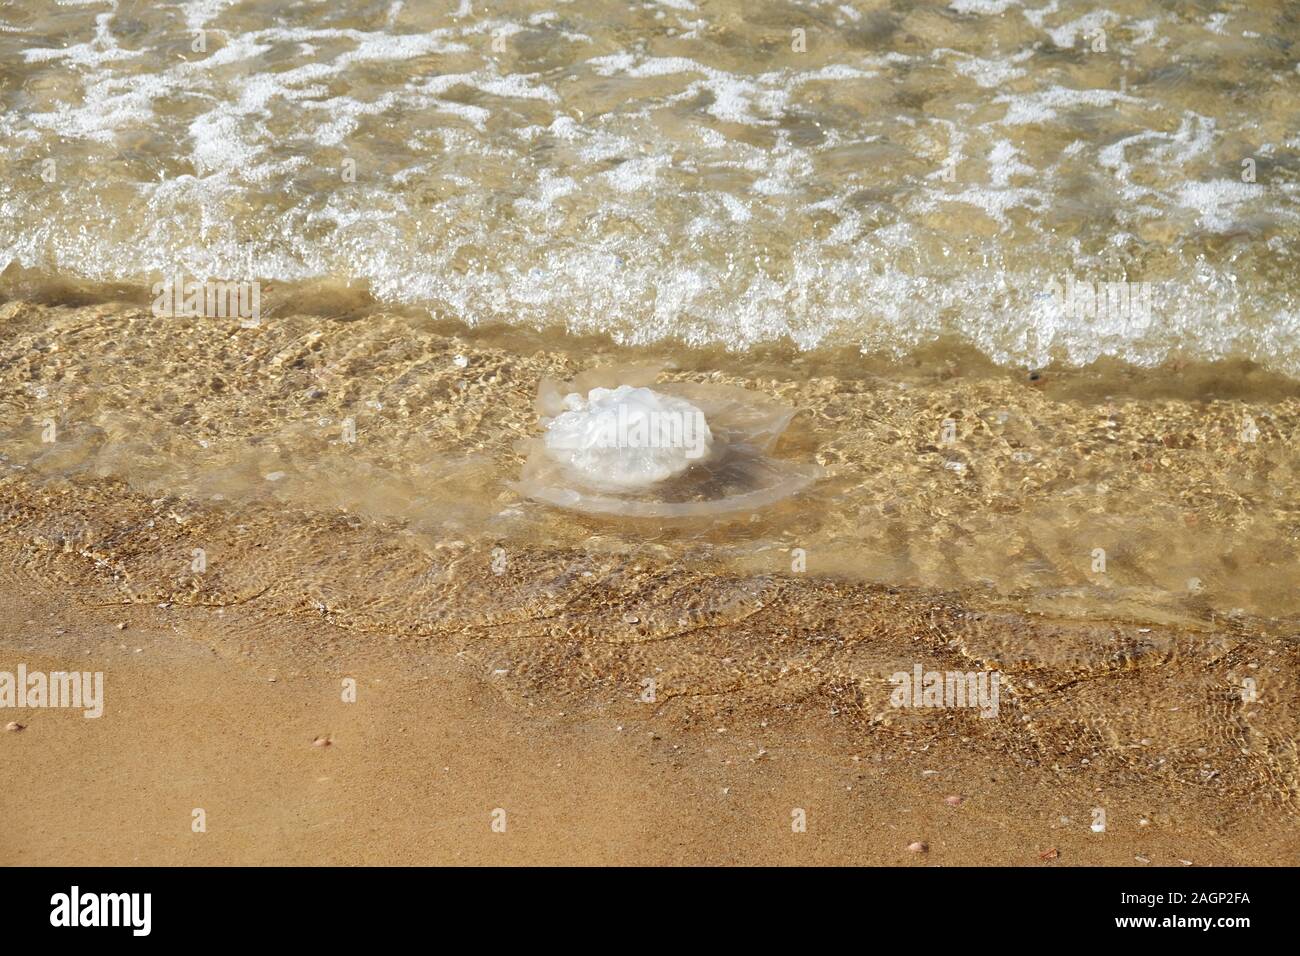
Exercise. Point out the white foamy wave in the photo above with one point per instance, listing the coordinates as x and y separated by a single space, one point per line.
675 170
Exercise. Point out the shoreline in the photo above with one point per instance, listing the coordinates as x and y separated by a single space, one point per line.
772 688
1179 376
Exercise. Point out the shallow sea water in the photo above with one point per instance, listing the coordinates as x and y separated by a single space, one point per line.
1086 493
858 208
863 175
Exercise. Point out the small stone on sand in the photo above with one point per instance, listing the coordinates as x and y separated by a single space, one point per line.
13 726
918 847
321 742
630 618
953 801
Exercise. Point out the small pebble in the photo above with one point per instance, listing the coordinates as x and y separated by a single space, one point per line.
630 618
953 801
1141 859
121 625
321 742
918 847
13 726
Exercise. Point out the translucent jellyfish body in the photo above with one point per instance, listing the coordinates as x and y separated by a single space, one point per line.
617 444
626 438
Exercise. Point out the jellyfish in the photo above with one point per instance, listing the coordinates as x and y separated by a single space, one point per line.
615 443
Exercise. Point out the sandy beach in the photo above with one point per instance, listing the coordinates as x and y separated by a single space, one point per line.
717 432
485 683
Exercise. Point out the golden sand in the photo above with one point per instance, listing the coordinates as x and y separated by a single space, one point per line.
503 650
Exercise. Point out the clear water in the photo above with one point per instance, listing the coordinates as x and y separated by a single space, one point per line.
866 175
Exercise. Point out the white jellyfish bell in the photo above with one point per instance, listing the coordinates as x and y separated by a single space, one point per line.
615 443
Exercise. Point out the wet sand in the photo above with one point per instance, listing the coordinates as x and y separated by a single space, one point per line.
482 686
222 713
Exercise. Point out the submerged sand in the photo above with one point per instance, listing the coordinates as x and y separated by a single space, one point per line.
502 649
